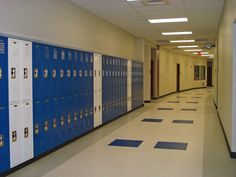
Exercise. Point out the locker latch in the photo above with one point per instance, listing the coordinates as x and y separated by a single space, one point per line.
14 136
68 73
86 112
85 73
13 73
54 73
81 114
25 73
61 73
45 73
91 73
1 141
75 116
36 73
36 129
26 132
69 119
54 123
99 73
95 73
62 120
74 73
99 108
46 126
91 111
0 73
80 73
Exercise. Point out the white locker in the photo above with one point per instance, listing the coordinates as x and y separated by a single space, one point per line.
129 86
27 149
15 134
20 101
14 55
26 71
97 90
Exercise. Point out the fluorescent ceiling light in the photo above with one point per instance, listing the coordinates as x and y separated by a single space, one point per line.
178 41
193 50
168 20
177 33
208 55
188 46
204 53
132 0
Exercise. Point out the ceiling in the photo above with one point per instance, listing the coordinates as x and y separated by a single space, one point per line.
203 15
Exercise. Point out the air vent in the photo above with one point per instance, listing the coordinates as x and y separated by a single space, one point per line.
155 2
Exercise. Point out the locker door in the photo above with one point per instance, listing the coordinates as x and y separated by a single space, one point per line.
14 55
97 90
3 70
15 134
4 139
129 91
27 131
26 71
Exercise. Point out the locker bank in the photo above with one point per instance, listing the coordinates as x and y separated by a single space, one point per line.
122 88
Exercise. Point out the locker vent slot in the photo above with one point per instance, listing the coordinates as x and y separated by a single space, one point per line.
69 55
46 52
76 56
2 47
55 54
63 56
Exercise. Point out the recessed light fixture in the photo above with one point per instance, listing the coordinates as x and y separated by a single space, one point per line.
176 33
193 50
168 20
181 41
188 46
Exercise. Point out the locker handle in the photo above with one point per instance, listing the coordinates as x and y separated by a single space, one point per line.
1 140
37 129
26 104
95 109
14 136
13 73
15 105
99 107
26 132
25 73
0 73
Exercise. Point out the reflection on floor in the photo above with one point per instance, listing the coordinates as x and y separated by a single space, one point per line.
153 141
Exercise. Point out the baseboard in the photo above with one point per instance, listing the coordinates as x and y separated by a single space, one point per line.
232 154
12 170
147 101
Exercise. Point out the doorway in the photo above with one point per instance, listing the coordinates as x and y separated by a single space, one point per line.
209 74
178 77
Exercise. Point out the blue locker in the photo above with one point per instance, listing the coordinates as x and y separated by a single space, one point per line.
4 138
38 127
46 78
104 89
55 121
91 88
4 116
54 69
62 120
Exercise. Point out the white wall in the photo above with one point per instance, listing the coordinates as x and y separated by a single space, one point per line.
168 61
61 22
226 73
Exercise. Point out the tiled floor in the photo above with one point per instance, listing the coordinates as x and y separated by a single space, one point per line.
162 148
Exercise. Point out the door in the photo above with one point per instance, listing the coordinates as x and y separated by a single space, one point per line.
209 74
178 78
